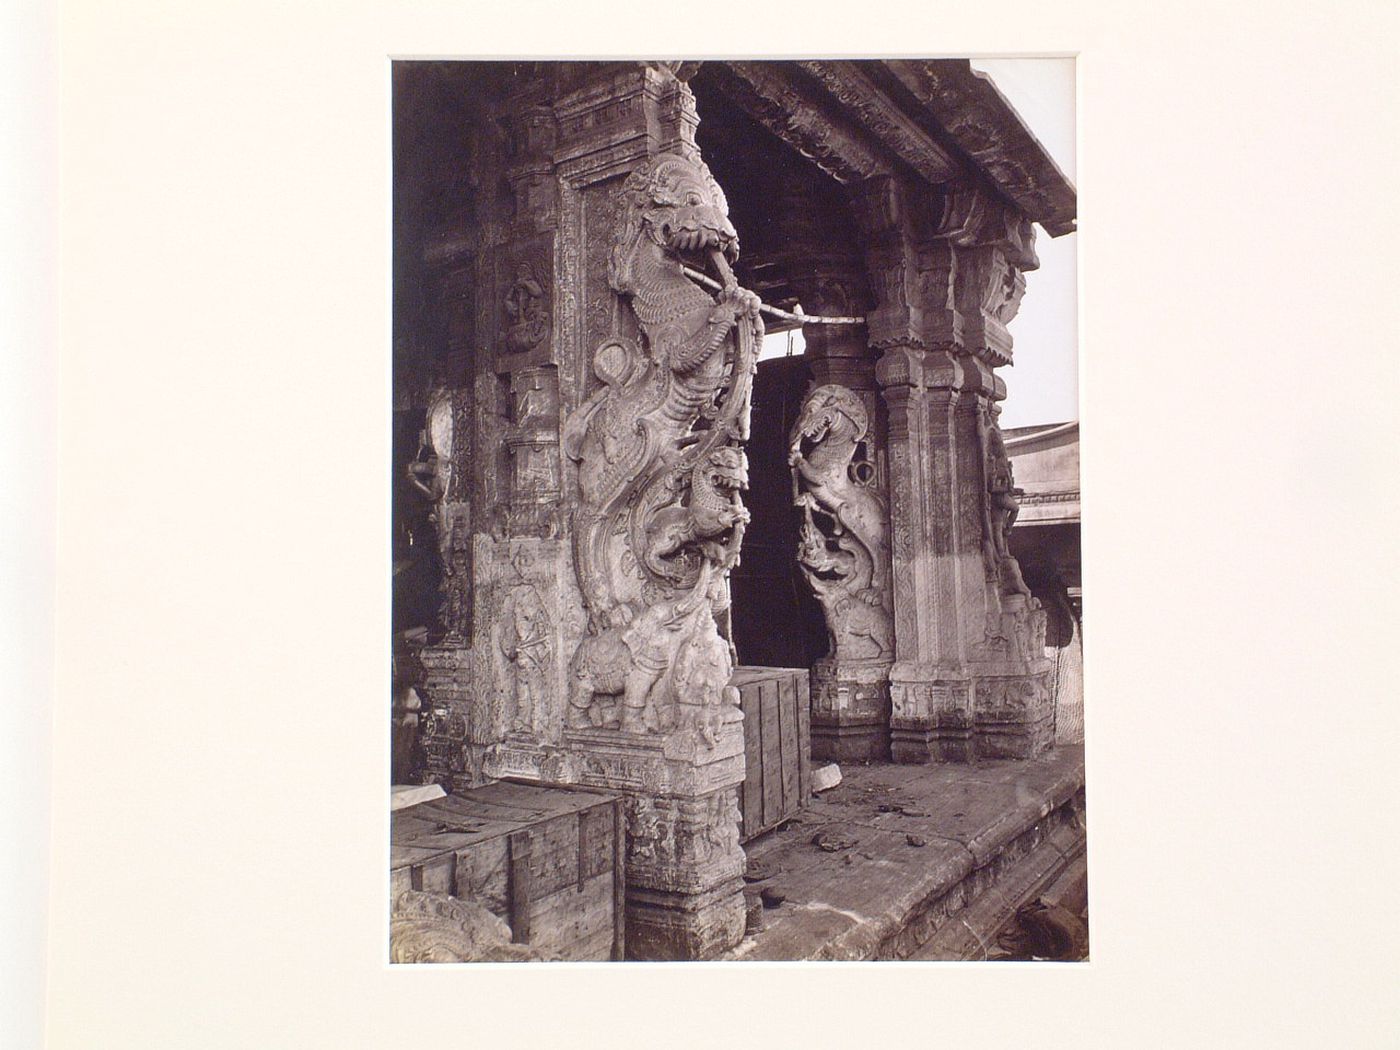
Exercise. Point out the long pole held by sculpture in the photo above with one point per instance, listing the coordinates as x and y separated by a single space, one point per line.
771 311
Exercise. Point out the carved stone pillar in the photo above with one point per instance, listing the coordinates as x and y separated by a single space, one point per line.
970 679
622 394
837 454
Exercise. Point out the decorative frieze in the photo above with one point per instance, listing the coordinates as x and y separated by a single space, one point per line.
877 113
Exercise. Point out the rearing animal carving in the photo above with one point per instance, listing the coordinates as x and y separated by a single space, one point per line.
711 524
844 536
658 521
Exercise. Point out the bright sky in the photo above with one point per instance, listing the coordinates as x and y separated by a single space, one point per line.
1043 383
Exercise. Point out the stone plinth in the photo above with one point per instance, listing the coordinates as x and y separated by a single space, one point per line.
850 711
684 862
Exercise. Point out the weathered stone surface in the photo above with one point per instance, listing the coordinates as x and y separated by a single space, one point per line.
436 928
843 540
994 832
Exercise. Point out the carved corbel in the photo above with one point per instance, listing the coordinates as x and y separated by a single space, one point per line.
885 217
968 107
991 245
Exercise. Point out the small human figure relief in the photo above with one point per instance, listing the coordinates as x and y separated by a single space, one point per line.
659 518
534 403
843 538
535 472
425 471
651 833
527 322
527 645
721 831
1000 507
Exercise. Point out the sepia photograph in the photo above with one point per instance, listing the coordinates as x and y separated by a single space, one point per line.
736 589
783 525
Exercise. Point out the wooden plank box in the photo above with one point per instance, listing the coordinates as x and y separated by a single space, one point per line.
548 860
777 746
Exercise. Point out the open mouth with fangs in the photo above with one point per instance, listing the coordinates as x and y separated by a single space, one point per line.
697 244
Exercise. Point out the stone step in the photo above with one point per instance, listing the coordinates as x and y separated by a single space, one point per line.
876 868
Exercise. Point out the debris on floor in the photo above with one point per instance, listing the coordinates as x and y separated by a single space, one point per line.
826 777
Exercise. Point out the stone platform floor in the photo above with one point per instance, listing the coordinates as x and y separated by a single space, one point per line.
923 862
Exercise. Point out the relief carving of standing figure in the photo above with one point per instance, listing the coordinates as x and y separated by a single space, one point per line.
1000 508
525 641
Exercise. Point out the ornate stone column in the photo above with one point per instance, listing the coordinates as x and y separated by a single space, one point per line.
970 676
619 394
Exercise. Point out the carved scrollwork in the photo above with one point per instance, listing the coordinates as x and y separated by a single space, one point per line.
659 518
435 928
843 544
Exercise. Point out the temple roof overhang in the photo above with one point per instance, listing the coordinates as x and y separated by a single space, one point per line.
938 119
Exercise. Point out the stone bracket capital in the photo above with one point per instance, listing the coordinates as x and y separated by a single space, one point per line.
907 367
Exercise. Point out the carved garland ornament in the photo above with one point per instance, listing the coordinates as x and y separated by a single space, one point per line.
659 521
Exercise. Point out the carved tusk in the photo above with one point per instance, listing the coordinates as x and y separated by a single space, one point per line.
721 265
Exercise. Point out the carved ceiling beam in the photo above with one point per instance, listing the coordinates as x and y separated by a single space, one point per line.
983 125
882 117
794 113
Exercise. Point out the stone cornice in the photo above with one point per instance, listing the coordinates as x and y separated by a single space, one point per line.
1036 498
770 94
879 115
979 120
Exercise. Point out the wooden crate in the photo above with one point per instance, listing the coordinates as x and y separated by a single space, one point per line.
547 860
777 746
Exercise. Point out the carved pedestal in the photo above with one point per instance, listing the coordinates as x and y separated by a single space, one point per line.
684 863
850 710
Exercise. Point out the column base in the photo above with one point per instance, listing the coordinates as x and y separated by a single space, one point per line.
850 710
920 746
850 742
984 716
664 926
